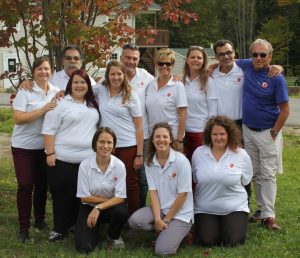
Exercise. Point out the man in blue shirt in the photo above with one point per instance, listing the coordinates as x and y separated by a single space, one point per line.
265 110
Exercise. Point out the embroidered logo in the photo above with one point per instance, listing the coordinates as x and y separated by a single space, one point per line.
169 94
173 174
238 79
231 165
115 178
264 84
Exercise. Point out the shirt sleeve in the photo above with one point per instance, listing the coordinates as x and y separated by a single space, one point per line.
52 120
194 171
281 93
243 63
135 105
184 171
181 99
21 100
246 167
212 98
82 182
120 188
150 180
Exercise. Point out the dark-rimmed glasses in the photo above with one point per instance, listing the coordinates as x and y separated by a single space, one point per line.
164 63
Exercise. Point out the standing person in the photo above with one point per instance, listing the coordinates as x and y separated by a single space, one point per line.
27 144
170 187
68 131
121 111
139 79
265 110
166 98
220 171
195 80
102 190
228 80
72 58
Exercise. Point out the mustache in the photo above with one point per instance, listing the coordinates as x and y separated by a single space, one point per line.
73 66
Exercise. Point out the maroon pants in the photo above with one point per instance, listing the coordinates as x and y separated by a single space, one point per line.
191 142
127 155
31 177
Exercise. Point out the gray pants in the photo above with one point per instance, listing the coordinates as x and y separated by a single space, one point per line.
169 239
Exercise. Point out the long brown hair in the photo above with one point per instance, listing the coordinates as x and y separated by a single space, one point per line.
203 72
126 88
151 148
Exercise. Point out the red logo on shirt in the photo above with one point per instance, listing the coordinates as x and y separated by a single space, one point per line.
238 79
231 165
169 94
173 174
264 84
115 178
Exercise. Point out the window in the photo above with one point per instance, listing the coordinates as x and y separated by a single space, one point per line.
114 56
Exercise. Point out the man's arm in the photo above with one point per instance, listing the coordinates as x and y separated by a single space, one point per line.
284 114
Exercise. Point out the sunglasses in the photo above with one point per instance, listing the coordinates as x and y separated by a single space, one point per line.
262 55
223 54
69 58
164 63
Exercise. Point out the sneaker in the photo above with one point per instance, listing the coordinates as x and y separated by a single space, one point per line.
23 236
55 236
117 243
256 217
189 239
269 223
41 226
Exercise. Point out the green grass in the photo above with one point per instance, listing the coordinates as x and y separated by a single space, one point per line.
6 120
260 242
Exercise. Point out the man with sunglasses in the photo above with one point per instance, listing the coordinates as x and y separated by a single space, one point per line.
265 110
139 79
72 60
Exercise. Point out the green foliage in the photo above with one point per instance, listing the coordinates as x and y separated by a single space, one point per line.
6 121
260 242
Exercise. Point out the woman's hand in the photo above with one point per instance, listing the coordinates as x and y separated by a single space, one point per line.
160 225
51 160
93 217
138 162
50 106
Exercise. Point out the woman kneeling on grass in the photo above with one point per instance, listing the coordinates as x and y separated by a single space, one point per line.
170 186
102 190
220 171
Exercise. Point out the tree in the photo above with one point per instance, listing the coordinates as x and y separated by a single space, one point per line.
51 24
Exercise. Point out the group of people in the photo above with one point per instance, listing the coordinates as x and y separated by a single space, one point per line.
103 147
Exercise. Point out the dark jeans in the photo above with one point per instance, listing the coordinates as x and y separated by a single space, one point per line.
86 239
127 155
229 230
31 177
62 180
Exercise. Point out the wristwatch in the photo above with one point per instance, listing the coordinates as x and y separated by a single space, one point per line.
98 208
166 221
273 133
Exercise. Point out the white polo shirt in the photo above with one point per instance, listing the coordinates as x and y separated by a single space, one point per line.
118 116
92 181
174 178
220 184
139 84
228 89
162 104
61 79
197 110
74 125
28 135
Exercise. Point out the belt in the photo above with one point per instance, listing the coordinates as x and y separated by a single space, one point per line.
257 129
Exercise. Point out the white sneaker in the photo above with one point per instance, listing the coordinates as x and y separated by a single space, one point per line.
117 243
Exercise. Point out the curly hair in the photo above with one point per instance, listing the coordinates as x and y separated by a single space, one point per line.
233 131
126 88
203 72
151 148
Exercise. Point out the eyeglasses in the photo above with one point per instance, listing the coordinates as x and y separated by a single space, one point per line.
69 58
131 46
164 63
262 55
223 54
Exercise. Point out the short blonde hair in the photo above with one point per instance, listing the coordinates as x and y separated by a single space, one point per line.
165 53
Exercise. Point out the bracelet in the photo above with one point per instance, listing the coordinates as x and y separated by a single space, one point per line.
50 154
138 156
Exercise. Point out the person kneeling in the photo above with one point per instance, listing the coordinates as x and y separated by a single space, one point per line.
170 186
102 189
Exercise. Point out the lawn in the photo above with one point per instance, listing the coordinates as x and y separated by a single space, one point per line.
260 242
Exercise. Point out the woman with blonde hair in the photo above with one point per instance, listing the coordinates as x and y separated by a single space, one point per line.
121 111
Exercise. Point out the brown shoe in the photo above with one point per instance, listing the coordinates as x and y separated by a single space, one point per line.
189 239
256 217
269 223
